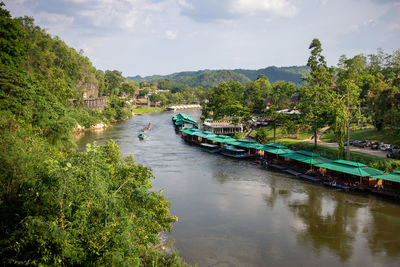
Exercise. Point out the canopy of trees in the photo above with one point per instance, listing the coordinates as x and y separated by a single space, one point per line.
57 206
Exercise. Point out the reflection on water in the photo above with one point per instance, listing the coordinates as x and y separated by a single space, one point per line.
235 213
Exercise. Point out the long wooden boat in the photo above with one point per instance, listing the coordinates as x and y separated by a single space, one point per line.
337 185
276 166
310 178
292 172
234 152
148 127
209 147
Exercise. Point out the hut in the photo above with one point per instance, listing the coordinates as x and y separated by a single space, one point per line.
347 173
388 184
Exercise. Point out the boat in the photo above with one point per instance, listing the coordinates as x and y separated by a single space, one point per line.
310 178
234 152
141 135
209 147
276 166
148 127
292 172
338 186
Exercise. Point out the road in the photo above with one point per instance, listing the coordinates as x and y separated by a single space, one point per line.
367 150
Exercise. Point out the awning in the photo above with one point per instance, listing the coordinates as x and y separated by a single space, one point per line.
350 167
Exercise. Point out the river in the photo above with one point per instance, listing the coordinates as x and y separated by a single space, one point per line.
235 213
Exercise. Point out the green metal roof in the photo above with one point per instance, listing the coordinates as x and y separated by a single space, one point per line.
306 157
350 163
393 177
278 151
276 145
350 167
182 118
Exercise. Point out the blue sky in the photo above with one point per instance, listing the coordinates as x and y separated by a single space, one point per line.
148 37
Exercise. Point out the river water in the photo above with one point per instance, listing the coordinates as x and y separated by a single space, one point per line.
235 213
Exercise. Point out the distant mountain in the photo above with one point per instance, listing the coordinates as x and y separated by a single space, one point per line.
210 78
288 74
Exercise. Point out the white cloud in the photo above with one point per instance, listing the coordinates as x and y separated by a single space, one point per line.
54 20
273 7
172 35
185 4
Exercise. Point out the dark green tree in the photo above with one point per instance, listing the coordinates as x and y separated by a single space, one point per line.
317 95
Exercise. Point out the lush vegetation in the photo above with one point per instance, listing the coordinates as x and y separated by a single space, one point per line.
59 206
210 78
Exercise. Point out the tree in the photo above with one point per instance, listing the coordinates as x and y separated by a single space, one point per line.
113 81
129 87
349 77
256 93
164 84
12 46
316 95
224 103
281 94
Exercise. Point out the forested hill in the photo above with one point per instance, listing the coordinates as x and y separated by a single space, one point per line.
210 78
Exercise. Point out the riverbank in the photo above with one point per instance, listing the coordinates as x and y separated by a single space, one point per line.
235 213
147 110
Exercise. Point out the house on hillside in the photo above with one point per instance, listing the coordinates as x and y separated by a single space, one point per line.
142 98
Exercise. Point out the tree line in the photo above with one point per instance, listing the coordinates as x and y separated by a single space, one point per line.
59 206
361 89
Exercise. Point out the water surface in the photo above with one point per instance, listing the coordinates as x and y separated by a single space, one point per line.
235 213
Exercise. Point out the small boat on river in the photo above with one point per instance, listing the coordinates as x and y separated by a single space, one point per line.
148 127
209 147
234 152
142 135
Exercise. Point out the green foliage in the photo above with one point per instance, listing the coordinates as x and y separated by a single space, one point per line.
91 208
317 96
12 46
211 78
224 103
255 94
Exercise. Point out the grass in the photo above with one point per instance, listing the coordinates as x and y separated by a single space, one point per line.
388 165
281 133
145 110
386 136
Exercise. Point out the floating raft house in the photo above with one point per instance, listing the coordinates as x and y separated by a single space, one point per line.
306 157
345 174
350 167
181 120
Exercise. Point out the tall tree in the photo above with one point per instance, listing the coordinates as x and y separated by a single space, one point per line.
256 93
349 78
224 103
317 94
113 80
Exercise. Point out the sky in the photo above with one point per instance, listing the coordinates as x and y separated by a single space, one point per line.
146 37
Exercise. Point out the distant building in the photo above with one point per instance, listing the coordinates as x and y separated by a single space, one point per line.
222 127
142 100
93 103
122 95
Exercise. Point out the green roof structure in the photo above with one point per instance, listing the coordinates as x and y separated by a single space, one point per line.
273 145
393 177
278 151
182 118
306 157
350 167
